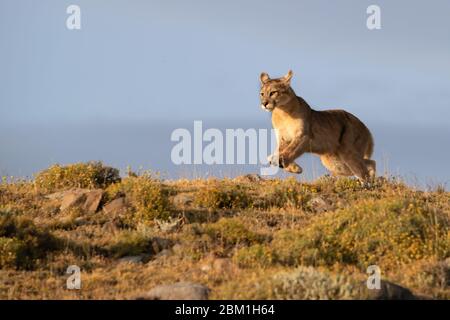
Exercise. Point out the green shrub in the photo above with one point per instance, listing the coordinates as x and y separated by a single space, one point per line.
302 283
196 244
22 243
9 247
430 277
131 243
147 195
257 255
79 175
217 238
287 246
307 283
436 275
231 232
348 184
387 233
221 195
286 193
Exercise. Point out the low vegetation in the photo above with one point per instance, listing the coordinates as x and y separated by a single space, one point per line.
80 175
22 244
147 196
244 238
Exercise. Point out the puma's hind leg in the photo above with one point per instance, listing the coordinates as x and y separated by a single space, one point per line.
348 166
335 165
356 164
371 167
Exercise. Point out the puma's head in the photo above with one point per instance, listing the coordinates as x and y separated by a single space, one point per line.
275 92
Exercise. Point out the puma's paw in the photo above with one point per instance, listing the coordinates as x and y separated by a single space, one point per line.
294 168
273 160
284 161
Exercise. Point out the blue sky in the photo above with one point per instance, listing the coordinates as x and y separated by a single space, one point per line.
138 69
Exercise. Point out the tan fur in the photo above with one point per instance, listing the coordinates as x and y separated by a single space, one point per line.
342 141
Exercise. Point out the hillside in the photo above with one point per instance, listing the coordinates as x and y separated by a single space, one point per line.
243 238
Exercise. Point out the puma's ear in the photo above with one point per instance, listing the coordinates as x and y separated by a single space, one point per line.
287 78
264 77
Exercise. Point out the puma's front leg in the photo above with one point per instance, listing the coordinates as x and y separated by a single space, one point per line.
277 160
294 168
273 159
292 151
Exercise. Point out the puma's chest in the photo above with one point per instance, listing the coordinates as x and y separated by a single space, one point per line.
287 128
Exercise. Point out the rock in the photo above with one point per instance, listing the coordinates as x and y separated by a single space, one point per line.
164 253
183 199
92 202
73 198
317 204
85 199
388 291
177 291
115 207
135 259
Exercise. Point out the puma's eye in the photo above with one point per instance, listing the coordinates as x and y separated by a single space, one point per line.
262 93
273 93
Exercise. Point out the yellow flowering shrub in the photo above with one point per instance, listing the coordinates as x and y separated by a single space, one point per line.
222 195
231 232
257 255
146 194
287 193
89 175
387 233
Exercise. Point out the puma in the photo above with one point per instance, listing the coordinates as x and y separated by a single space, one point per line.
344 144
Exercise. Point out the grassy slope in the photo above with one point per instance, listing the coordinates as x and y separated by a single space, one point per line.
242 238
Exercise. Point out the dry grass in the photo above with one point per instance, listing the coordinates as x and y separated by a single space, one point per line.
276 242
